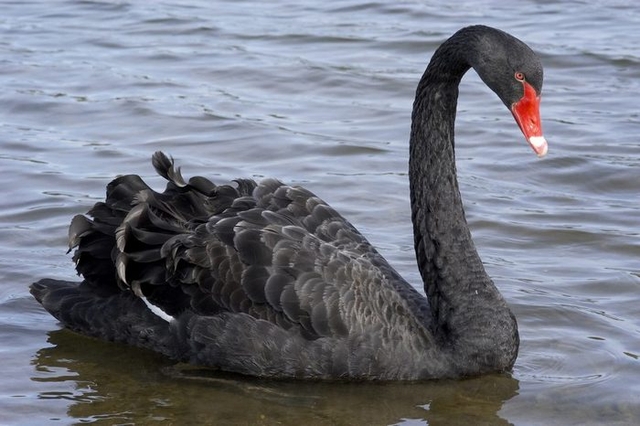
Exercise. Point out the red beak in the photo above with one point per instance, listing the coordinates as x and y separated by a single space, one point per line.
527 114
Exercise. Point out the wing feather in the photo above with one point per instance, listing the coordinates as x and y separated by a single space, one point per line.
269 250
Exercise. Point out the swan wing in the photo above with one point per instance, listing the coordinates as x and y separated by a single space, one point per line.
270 250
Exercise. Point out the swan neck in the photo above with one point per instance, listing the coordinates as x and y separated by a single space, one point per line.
445 252
463 300
447 258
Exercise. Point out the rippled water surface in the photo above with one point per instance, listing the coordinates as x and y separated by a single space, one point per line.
321 94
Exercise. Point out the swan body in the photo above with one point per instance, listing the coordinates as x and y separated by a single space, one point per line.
266 279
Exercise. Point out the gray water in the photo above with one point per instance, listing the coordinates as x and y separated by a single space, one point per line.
321 95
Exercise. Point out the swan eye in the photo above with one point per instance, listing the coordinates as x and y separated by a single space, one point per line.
519 76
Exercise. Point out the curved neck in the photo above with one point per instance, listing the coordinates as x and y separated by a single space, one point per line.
464 302
448 261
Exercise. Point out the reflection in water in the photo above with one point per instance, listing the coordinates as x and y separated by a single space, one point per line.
119 384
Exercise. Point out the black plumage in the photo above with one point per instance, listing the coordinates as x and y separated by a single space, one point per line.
266 279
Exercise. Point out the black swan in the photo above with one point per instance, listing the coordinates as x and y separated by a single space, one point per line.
266 279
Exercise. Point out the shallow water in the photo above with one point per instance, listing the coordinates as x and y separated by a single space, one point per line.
321 95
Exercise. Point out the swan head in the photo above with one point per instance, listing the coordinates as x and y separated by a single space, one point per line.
514 72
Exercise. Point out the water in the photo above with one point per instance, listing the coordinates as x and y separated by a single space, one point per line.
321 95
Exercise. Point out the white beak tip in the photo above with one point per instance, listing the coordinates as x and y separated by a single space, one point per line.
539 145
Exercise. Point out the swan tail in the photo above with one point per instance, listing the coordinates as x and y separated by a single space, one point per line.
115 316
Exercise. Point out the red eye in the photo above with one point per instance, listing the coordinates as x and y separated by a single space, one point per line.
519 76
